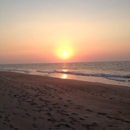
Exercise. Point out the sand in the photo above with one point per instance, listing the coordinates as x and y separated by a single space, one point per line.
30 102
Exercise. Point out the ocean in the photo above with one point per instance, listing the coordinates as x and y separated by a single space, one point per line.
103 72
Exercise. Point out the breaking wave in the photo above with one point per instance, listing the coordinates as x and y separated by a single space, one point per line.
121 78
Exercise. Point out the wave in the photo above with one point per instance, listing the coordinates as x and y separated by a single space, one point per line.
41 71
108 76
16 70
121 78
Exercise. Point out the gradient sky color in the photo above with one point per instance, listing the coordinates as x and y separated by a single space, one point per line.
33 31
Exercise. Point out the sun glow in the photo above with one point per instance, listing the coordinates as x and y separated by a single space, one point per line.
64 52
64 76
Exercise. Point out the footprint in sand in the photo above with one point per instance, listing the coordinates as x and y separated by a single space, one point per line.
74 113
34 125
81 118
16 129
65 125
88 110
11 126
100 113
6 119
52 120
62 120
86 126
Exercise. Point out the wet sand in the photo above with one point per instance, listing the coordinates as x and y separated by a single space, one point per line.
29 102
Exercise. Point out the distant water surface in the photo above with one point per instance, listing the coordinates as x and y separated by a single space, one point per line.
104 72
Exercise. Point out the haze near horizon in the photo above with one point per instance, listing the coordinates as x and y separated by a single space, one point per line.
64 31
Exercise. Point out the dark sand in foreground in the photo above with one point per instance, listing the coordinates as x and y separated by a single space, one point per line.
29 102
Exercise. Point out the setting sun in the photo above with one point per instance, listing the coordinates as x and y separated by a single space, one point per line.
64 54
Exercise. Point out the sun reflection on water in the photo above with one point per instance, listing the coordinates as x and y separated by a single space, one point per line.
64 76
64 70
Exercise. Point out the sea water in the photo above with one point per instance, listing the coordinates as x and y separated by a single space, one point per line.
103 72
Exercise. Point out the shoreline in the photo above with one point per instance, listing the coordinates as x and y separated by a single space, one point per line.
78 78
39 102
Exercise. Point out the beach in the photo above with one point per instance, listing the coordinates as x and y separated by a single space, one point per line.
32 102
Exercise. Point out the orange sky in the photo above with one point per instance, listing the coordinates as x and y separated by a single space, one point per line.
39 31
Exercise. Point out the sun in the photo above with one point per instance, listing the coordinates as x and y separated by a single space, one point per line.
64 54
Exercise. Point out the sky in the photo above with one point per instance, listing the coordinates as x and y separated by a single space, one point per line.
38 31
